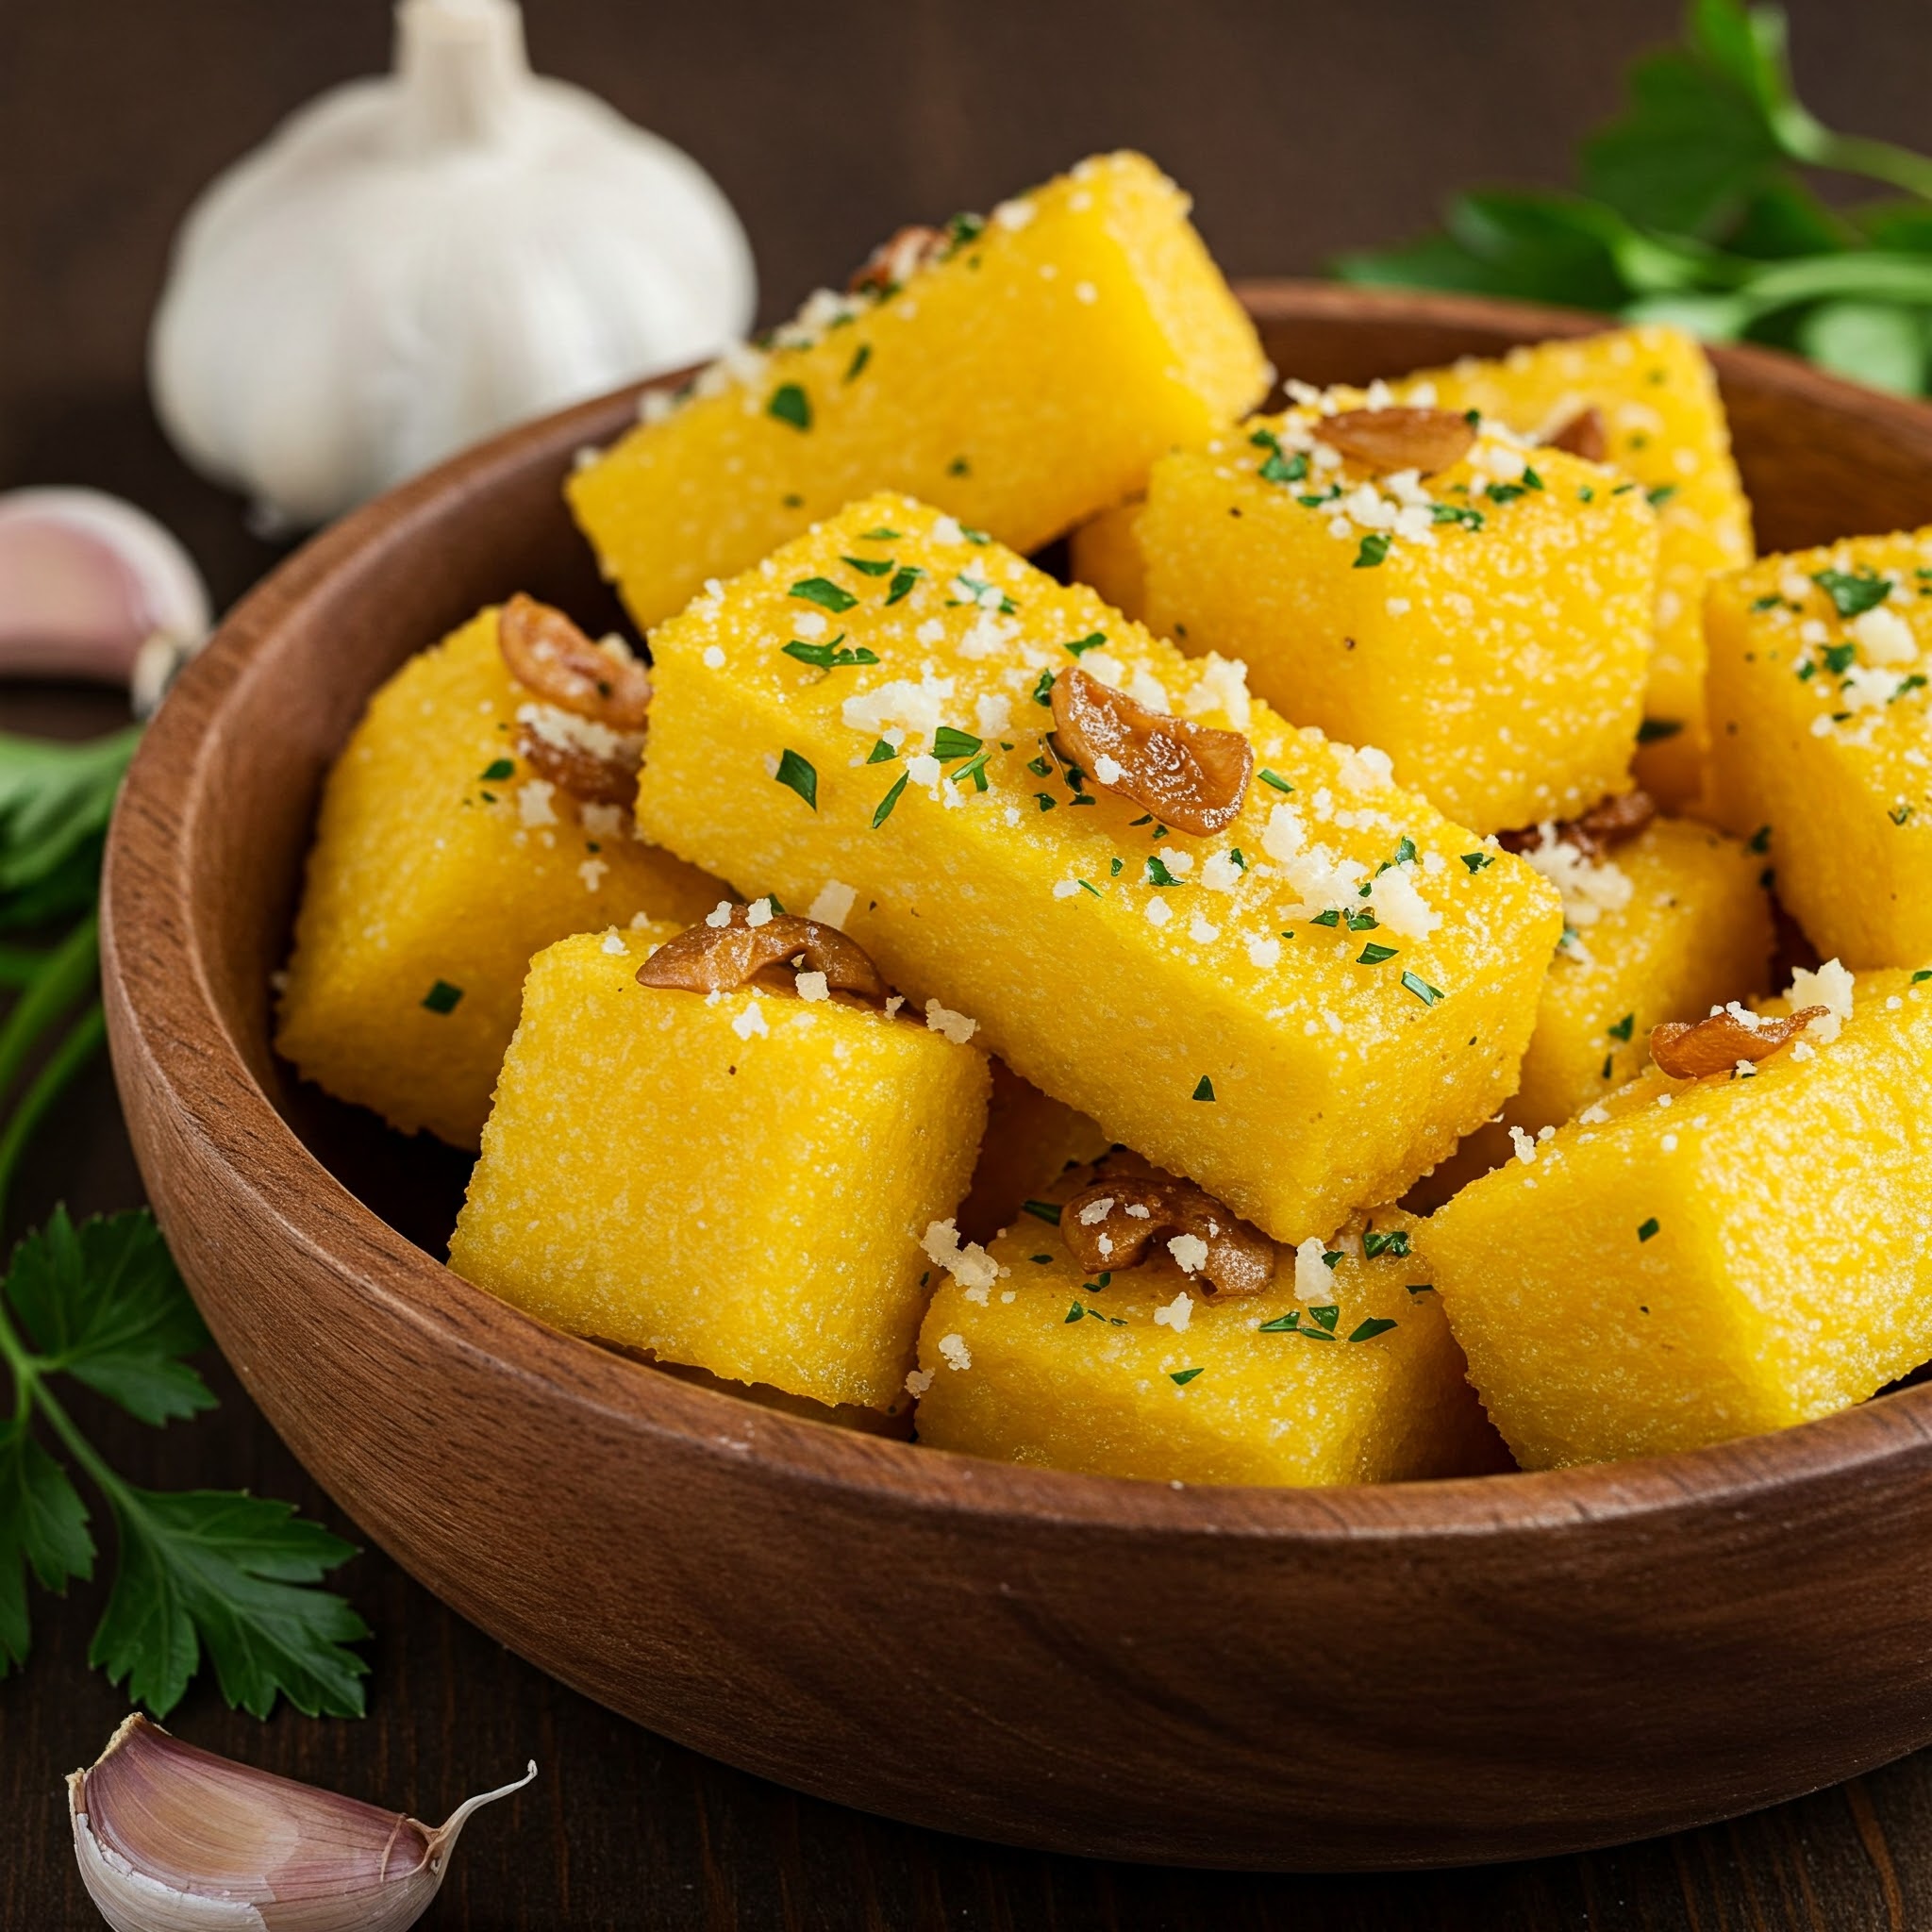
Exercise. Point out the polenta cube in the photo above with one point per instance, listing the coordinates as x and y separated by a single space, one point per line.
741 1182
1302 1012
1134 1373
1821 737
1023 373
1698 1259
1488 626
441 862
1663 423
1031 1138
1665 927
1105 555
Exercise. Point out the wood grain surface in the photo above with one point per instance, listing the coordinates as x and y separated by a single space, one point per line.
1301 129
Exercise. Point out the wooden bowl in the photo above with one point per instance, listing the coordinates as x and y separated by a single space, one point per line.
1425 1674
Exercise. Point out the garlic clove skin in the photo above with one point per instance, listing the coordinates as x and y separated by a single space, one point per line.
92 588
412 262
173 1838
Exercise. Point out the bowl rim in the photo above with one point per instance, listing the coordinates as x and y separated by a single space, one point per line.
193 1059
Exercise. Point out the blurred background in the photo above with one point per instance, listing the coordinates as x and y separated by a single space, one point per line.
1302 130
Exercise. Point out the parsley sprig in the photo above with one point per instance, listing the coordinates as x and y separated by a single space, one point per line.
199 1575
1695 207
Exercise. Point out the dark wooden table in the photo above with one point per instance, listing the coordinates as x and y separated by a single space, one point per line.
1301 129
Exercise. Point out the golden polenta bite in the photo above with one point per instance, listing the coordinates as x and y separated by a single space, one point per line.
1105 553
1030 1140
1660 917
725 1147
1731 1243
1021 372
1821 737
1133 1326
1479 609
1645 401
1241 949
474 816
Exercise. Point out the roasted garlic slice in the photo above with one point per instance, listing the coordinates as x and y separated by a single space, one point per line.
1191 777
719 955
1386 440
1114 1222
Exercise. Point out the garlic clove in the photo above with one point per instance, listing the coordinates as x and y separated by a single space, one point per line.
90 587
173 1838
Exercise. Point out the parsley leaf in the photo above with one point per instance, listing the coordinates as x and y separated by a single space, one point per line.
102 1302
54 800
215 1572
42 1522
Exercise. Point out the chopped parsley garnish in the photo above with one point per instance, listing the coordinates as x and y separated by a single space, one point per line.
1649 1228
1181 1377
1654 730
791 404
1087 886
1277 467
1660 493
1623 1027
888 800
1852 592
1374 1326
880 535
1374 547
1421 989
1837 657
958 467
1048 1212
1770 601
975 768
1113 868
1466 514
1276 779
1373 955
1205 1089
1045 800
947 742
442 997
1043 1260
823 592
872 566
1924 973
880 754
1157 874
1043 688
1476 860
1422 1288
1331 917
1759 841
498 769
860 357
902 580
979 592
800 776
1395 1242
831 656
1074 1313
1041 767
1898 814
1091 641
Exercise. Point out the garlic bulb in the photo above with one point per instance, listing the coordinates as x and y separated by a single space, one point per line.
91 587
414 261
172 1839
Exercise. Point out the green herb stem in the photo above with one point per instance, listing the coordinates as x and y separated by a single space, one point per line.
64 975
19 966
83 1040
